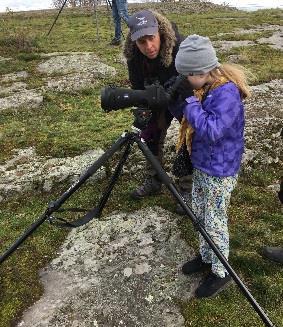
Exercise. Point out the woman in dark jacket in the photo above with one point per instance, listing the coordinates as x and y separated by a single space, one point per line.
150 49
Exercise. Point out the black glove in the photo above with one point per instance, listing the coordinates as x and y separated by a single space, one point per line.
184 90
178 88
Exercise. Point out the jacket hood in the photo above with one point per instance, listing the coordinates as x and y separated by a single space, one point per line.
167 36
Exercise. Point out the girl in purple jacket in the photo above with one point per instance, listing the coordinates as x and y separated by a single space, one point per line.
212 130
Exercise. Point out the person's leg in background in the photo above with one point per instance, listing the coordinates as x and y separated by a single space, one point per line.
117 23
123 10
275 253
119 12
154 135
151 184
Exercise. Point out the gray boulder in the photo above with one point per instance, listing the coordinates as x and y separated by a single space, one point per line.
123 270
27 171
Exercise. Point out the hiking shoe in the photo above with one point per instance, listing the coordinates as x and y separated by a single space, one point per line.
195 265
115 42
213 285
188 199
150 186
273 253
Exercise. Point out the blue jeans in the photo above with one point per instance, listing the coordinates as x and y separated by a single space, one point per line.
119 11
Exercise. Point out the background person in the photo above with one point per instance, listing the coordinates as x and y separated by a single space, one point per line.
150 49
119 12
275 253
213 131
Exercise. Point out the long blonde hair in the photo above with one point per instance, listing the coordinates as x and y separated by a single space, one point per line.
236 74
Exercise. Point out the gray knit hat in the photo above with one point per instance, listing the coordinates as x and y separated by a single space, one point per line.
196 55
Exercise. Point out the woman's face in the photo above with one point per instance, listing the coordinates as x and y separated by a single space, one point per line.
198 81
149 45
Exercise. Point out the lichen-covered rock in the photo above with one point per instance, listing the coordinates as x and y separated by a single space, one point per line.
14 77
228 45
274 41
74 72
26 99
27 171
264 121
123 270
75 63
72 82
15 94
11 89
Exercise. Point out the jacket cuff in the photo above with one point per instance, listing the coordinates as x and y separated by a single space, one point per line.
192 99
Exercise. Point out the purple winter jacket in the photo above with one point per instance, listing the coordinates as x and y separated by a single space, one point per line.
218 140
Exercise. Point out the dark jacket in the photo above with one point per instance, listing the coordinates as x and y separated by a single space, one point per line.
144 71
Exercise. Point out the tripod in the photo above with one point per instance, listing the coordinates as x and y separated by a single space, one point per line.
108 3
127 139
63 5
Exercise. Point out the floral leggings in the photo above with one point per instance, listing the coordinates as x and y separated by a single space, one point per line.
210 200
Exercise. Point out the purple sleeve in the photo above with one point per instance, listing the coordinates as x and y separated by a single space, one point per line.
212 122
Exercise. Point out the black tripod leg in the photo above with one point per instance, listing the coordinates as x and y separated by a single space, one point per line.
55 205
167 181
57 17
90 171
97 210
28 232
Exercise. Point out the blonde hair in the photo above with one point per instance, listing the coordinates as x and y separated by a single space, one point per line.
236 74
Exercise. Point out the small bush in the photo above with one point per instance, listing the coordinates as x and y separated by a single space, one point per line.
18 42
28 56
16 38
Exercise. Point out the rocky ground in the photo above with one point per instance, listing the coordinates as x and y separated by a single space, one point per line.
124 269
73 72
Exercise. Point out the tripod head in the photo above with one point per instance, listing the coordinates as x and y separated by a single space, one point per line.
142 117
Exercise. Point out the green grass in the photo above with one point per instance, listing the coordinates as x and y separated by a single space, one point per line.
19 283
68 125
64 125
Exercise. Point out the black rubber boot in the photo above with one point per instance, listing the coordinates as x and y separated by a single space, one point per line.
273 253
150 186
195 265
213 285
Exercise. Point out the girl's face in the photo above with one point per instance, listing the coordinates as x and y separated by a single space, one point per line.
149 45
198 81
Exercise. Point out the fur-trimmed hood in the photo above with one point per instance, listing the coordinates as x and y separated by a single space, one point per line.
168 40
